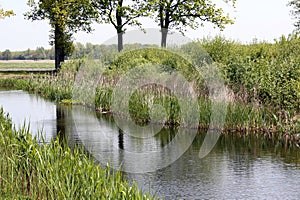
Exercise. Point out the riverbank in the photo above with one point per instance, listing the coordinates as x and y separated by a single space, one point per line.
245 157
240 118
262 80
31 170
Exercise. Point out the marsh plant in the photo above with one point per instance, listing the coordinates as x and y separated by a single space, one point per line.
34 170
262 80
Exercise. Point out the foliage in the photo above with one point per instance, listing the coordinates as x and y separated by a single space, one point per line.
181 14
6 13
40 53
66 18
35 170
94 51
6 55
295 4
261 73
120 13
262 80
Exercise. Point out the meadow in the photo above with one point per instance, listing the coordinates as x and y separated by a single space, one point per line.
28 64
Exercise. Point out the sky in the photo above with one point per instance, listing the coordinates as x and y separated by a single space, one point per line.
264 20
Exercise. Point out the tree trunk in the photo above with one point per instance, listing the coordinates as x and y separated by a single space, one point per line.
59 47
59 58
119 26
120 41
164 34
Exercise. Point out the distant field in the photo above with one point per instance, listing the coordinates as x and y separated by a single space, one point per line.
29 64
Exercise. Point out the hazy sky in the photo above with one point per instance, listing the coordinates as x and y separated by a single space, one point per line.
261 19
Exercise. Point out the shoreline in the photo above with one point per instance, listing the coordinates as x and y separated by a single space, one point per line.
33 170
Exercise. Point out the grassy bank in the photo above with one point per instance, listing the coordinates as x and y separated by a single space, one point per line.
29 64
24 68
262 80
29 170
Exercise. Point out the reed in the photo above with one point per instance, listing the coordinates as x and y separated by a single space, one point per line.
254 108
54 171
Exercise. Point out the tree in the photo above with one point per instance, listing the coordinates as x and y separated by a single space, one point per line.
6 13
78 51
295 4
66 18
6 55
39 53
180 14
28 54
119 14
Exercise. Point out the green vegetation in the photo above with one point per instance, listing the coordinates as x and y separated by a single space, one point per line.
31 170
39 54
66 18
119 13
295 12
262 80
263 74
27 65
5 13
179 15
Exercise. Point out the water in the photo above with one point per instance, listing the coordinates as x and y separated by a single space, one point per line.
24 108
239 167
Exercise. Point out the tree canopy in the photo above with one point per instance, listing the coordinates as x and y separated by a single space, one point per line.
295 4
5 13
180 14
120 13
66 17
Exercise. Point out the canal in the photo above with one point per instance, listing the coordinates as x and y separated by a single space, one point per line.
238 167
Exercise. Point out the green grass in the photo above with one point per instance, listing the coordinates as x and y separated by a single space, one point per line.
29 170
28 65
241 117
264 85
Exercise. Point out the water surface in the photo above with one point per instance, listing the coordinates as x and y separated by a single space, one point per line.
239 167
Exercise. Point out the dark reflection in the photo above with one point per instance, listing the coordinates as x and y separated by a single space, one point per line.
239 167
121 139
166 135
255 146
237 146
63 124
108 118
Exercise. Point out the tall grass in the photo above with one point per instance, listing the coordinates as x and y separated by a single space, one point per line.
261 72
54 171
263 78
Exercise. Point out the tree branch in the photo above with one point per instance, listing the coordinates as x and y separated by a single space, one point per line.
110 16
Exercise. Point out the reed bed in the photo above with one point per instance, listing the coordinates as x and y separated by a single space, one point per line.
31 170
269 107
